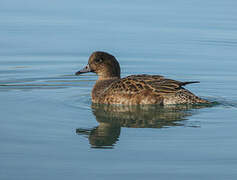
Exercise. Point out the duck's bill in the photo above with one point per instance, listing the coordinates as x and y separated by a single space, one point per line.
84 70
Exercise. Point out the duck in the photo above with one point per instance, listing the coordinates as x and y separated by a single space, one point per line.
142 89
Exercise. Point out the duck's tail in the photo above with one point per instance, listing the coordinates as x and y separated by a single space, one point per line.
189 82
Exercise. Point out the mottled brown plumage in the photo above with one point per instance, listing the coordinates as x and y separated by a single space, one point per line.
134 89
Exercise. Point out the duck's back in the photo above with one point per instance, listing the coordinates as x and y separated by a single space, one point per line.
145 89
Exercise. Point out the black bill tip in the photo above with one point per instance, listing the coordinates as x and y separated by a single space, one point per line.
84 70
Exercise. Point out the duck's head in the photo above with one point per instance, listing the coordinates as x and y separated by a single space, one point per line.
103 64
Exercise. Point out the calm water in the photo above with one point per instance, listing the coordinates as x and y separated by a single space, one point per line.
49 128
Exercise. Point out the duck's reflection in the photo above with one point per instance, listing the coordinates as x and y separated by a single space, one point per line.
112 117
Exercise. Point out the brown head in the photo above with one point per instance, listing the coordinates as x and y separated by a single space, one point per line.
103 64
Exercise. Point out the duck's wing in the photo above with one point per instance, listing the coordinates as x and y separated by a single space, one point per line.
160 84
155 83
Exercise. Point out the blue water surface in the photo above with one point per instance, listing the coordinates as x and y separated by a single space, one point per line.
49 128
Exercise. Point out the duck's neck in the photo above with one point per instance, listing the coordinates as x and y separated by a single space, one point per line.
108 75
100 85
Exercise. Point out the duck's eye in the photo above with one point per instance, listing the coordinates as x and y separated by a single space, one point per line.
98 60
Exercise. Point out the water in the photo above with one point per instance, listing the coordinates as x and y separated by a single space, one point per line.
49 128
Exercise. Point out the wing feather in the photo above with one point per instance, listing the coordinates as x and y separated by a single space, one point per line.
155 83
